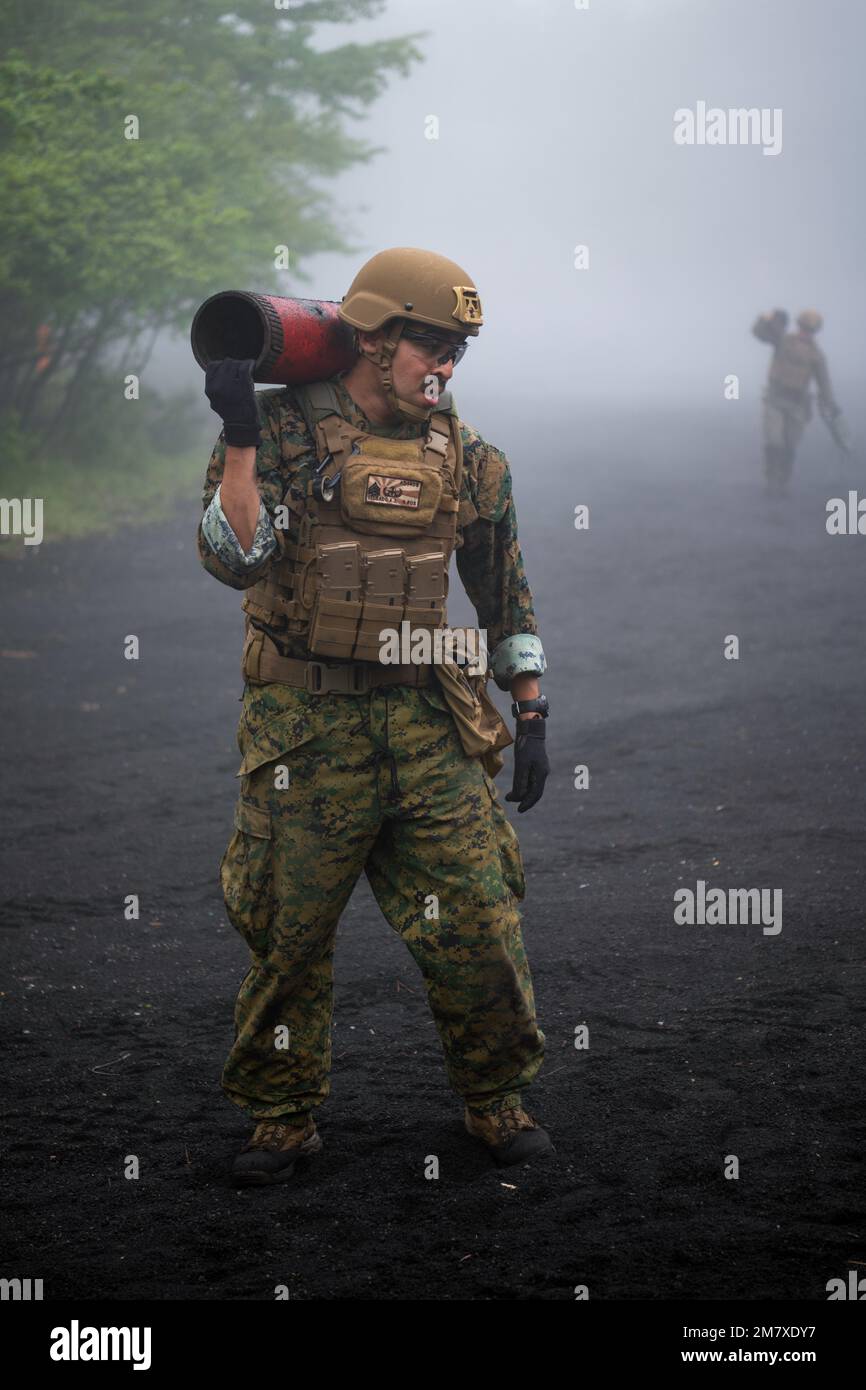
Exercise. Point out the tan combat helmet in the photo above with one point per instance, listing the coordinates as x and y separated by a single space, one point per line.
404 284
810 320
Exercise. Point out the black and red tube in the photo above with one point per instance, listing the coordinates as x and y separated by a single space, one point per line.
291 341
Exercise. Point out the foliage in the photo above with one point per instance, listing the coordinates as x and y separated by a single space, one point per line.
105 240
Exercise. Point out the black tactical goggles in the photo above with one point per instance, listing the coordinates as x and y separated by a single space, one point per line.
439 348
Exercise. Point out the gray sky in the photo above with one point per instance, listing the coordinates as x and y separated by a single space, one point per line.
556 128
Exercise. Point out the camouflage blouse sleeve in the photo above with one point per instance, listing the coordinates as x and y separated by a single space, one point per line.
770 328
489 560
285 440
821 374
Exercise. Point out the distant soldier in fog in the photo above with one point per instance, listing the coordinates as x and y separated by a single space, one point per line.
797 360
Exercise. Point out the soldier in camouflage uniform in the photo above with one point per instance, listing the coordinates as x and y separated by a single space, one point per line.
797 361
333 784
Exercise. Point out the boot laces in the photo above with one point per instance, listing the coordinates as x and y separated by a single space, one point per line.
269 1134
514 1120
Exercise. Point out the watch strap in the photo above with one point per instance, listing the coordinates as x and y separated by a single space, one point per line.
538 705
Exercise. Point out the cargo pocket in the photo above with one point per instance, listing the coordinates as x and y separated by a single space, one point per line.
275 720
432 696
246 876
507 842
438 714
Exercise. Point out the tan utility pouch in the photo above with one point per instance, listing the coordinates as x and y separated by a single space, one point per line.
383 602
483 731
381 493
361 594
337 608
426 588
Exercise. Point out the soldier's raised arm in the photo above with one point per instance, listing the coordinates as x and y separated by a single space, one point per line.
770 328
236 539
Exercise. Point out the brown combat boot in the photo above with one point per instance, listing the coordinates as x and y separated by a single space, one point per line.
511 1135
274 1149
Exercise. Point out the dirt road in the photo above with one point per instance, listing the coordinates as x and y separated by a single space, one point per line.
704 1041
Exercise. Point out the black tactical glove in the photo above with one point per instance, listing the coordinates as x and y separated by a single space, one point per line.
228 385
530 763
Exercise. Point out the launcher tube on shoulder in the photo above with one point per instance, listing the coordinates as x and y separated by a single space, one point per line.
291 341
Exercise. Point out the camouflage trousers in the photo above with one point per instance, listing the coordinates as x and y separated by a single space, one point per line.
784 423
333 785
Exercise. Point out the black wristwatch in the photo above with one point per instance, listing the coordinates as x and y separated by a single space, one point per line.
537 706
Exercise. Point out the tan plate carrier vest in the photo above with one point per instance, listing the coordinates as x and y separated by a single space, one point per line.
375 555
792 366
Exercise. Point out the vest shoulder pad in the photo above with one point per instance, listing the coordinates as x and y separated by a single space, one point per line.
316 400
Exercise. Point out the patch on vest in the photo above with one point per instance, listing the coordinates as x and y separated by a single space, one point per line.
393 492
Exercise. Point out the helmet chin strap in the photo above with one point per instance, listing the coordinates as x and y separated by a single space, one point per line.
382 359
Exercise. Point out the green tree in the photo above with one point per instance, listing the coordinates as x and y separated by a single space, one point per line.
105 240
